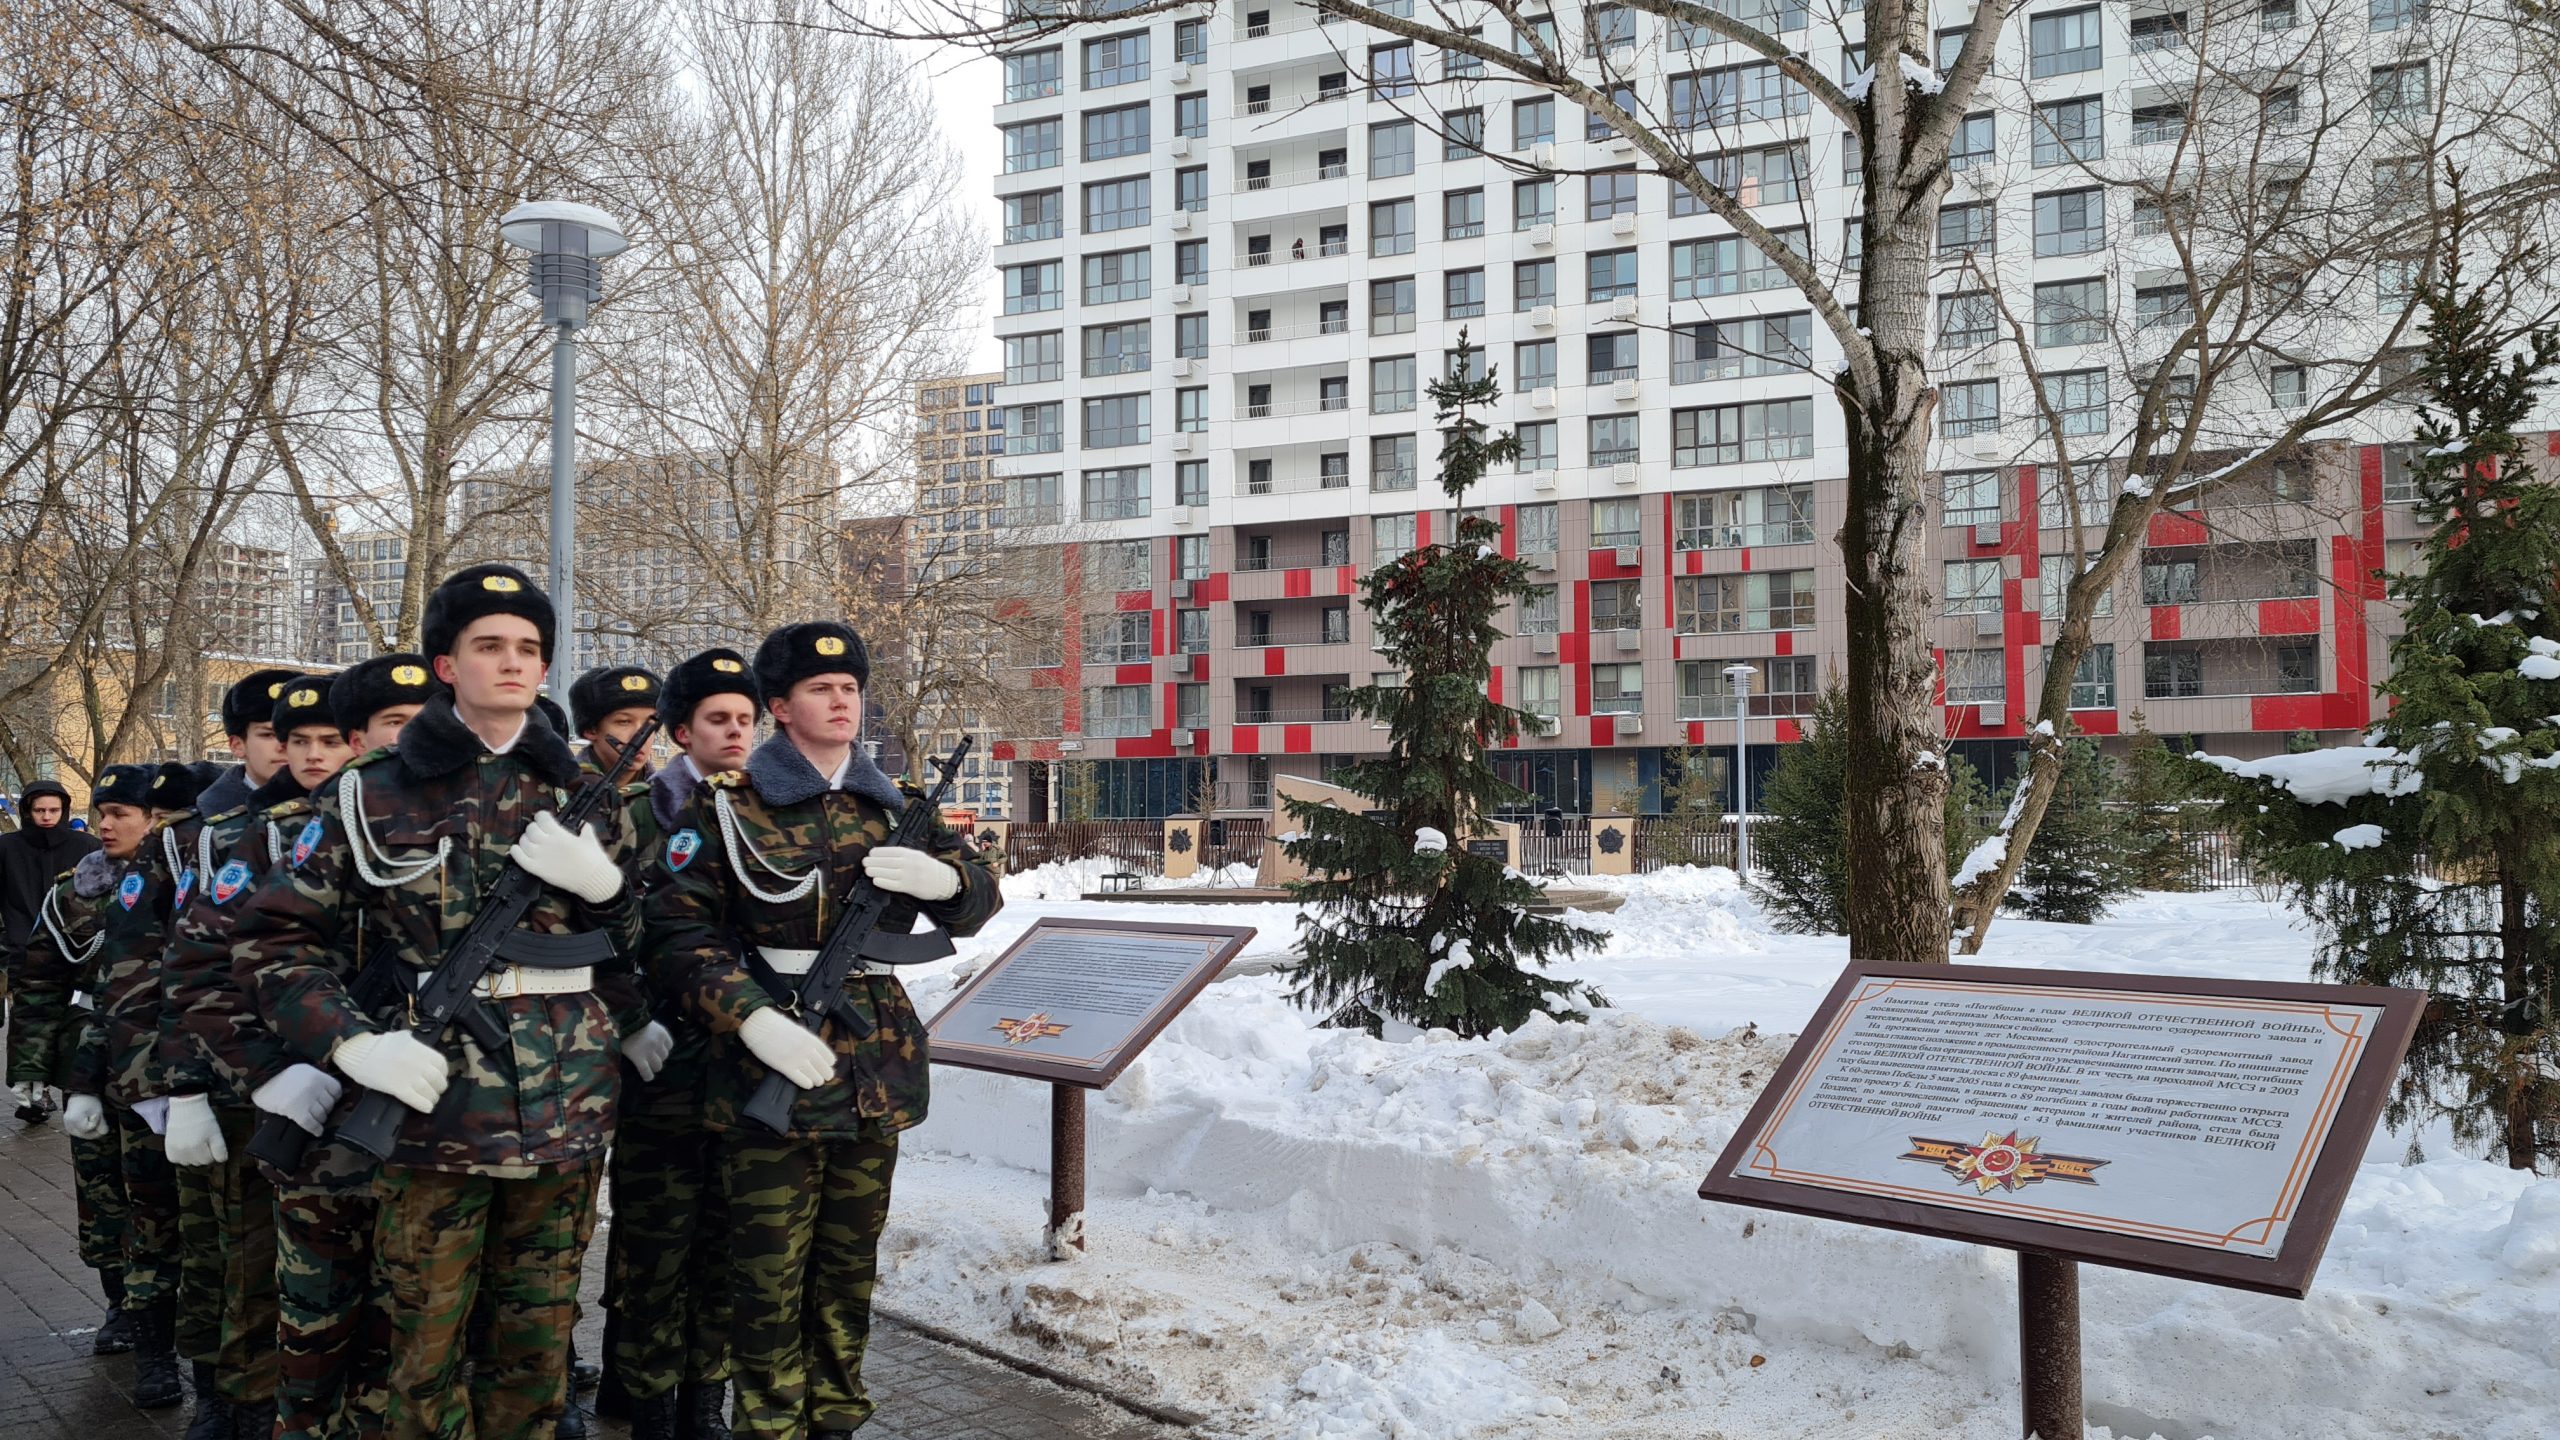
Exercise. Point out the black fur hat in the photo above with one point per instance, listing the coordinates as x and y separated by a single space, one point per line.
698 678
304 702
253 700
813 647
126 785
601 691
467 595
367 688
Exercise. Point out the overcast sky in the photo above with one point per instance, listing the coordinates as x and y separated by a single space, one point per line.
965 85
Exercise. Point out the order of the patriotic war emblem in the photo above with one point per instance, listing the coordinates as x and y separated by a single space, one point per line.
1027 1030
2002 1162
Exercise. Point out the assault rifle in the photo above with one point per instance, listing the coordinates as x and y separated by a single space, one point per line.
447 997
856 938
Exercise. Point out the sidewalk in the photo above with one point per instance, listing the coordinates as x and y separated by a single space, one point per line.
51 1389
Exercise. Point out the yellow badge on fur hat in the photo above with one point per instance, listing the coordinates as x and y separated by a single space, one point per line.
828 645
275 690
408 675
503 584
727 666
306 697
635 682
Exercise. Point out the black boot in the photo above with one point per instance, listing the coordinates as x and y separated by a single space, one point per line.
657 1417
582 1375
613 1400
155 1356
704 1410
115 1333
575 1422
213 1413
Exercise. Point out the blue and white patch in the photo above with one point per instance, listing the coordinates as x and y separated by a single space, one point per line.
230 880
682 846
186 886
129 893
306 842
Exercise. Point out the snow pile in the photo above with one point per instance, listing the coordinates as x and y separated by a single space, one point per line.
2327 777
1920 77
2544 662
2359 837
1981 860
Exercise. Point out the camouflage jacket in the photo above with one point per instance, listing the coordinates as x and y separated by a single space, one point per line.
119 1053
436 818
212 1041
679 1088
49 1007
704 915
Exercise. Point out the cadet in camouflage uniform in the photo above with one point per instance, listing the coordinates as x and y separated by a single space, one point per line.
509 1159
757 868
670 1250
332 1338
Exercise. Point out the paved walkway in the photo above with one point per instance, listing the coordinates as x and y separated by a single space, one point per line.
51 1388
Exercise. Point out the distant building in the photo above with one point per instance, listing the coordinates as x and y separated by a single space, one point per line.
958 511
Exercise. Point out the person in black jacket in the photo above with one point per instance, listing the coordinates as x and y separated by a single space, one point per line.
39 852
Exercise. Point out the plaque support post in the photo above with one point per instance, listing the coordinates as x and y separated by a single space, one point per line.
1065 1233
2049 1346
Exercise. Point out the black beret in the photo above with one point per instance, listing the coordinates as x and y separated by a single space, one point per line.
175 786
123 785
253 700
600 692
483 590
713 672
813 647
367 688
304 702
553 715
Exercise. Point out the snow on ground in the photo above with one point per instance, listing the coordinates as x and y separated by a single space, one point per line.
1308 1233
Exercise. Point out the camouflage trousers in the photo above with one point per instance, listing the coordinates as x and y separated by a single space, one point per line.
332 1336
435 1231
152 1257
227 1237
97 1187
669 1270
804 1218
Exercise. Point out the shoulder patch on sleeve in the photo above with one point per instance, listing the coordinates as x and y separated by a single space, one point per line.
229 881
186 887
682 846
306 842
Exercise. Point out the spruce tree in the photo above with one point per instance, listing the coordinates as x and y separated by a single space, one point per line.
2077 867
2429 856
1799 836
1692 812
2152 800
1401 922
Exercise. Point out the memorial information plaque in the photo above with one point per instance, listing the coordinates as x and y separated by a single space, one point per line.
2147 1110
1077 1001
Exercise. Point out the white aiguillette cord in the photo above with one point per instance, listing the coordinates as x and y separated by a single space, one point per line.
376 868
800 884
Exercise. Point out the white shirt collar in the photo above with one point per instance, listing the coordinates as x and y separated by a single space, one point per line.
836 781
521 722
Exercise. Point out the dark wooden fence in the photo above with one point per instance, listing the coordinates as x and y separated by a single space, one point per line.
1134 844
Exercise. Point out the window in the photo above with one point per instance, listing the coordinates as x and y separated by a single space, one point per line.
1608 27
1031 499
1614 440
2068 131
1462 214
2399 480
1617 689
1034 215
2397 14
1391 227
2064 44
1739 434
1190 42
1533 122
1533 283
1116 276
2280 109
1610 274
1390 537
1391 462
1611 192
2158 124
2055 586
1734 349
1973 587
1034 145
1538 532
1533 202
1462 135
1032 75
2162 307
1029 359
1968 407
1771 175
1117 349
2277 14
1120 494
1390 70
1977 677
1768 16
1035 429
2157 32
1115 132
2298 668
1120 565
1392 385
2172 673
1729 265
1191 410
1968 320
1391 149
2071 312
1539 447
1458 64
2071 222
1542 690
1462 294
1612 357
2080 398
1596 126
1191 487
1466 365
1117 710
1191 627
1731 519
1533 366
2288 387
1734 95
2092 490
1190 262
1115 60
1115 420
1541 26
1391 306
1964 229
1973 497
1191 115
1191 188
1115 205
1727 604
2399 92
1033 287
1973 143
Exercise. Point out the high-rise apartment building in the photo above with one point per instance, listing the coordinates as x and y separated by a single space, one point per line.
959 510
1235 249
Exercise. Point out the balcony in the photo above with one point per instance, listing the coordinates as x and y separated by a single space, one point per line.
1297 634
1028 516
1263 335
1298 254
1289 409
1763 707
1293 557
1294 715
1284 104
1294 483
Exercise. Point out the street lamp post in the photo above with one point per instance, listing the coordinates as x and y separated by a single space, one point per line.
1741 675
569 243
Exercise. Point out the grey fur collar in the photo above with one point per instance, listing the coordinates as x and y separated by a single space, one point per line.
91 876
228 793
670 790
436 743
784 776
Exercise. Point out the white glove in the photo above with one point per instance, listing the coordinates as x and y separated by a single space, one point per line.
397 1064
83 1118
910 872
648 1048
154 1113
195 1137
303 1094
42 1096
575 863
792 1052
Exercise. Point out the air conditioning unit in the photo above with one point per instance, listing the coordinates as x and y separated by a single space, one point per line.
1069 747
1543 154
1986 532
1628 554
1183 441
1182 222
1181 736
1622 224
1543 644
1182 72
1543 398
1989 622
1625 474
1623 308
1184 589
1542 317
1542 237
1630 641
1186 516
1543 480
1181 145
1542 561
1987 714
1547 725
1623 391
1629 725
1621 144
1185 367
1178 294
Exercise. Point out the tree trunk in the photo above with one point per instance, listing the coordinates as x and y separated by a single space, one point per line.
2516 944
